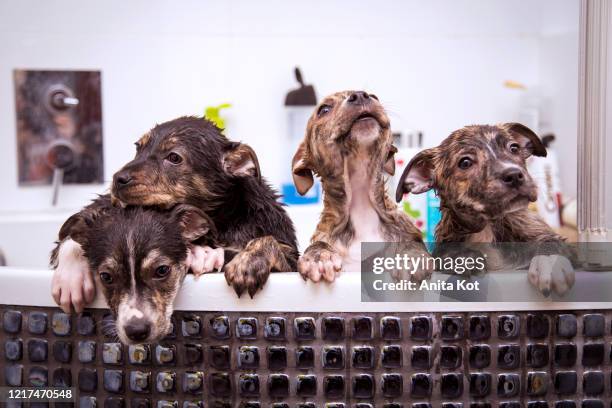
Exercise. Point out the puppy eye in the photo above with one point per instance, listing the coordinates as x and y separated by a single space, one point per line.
323 109
514 148
106 278
174 158
162 271
465 163
374 96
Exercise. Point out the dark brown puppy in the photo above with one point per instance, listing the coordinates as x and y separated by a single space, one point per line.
189 161
480 174
348 145
139 258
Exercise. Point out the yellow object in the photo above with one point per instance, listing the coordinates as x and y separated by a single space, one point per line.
213 113
514 85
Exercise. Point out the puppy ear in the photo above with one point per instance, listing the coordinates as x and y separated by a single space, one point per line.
194 223
417 177
76 228
241 161
526 138
389 165
302 173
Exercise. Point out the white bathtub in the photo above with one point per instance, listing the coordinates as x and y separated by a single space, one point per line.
288 292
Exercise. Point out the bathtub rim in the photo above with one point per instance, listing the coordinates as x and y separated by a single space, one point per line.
342 296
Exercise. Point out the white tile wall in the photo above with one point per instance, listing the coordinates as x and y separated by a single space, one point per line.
437 65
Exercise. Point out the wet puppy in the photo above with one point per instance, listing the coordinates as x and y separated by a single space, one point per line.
480 175
348 145
139 258
189 161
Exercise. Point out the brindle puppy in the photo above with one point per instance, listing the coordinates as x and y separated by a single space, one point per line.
480 175
139 258
189 161
348 144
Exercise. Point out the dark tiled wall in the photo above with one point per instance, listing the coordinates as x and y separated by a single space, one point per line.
415 360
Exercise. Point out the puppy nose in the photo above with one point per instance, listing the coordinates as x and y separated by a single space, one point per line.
137 329
358 98
513 177
123 178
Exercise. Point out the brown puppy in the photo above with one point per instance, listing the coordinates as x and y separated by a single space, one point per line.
480 175
189 161
139 257
348 144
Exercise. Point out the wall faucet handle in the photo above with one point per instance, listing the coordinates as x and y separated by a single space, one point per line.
61 100
61 156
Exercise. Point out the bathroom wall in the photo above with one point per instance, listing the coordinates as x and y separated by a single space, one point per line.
436 65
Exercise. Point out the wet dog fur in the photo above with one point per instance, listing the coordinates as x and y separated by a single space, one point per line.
189 161
139 258
348 144
480 174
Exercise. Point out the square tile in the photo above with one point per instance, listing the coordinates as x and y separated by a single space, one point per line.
277 358
306 385
452 328
480 327
363 357
363 386
11 321
362 328
61 324
165 381
391 356
13 349
304 328
275 329
113 381
508 326
304 357
567 325
450 356
278 385
420 328
86 324
508 385
248 385
37 323
480 384
451 385
193 382
248 357
140 381
220 327
593 383
508 356
392 385
332 328
593 325
421 357
566 382
390 328
333 386
421 385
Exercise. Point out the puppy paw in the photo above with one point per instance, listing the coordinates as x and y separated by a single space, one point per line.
422 272
204 259
247 271
319 264
551 273
72 284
